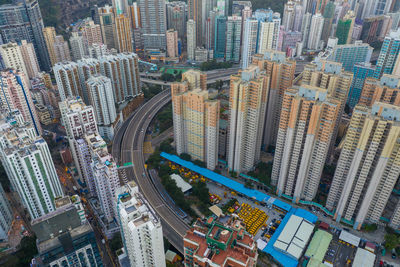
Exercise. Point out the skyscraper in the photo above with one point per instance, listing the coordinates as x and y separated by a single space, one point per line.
280 74
177 17
78 47
23 21
29 166
140 227
269 34
107 182
77 118
15 94
61 49
12 58
330 75
306 127
388 55
361 71
91 32
6 215
386 89
305 28
67 78
191 38
247 107
314 38
172 43
101 97
233 41
196 120
154 24
30 59
288 16
249 41
220 37
350 54
123 70
195 79
345 27
49 35
107 25
123 32
328 14
367 170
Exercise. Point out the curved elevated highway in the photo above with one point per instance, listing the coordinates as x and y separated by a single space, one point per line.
128 147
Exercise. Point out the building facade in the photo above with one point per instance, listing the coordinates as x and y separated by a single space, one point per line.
247 105
29 166
141 228
368 165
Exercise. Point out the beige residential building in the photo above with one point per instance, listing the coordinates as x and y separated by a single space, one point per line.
196 123
306 127
49 34
368 166
172 43
67 78
12 58
15 94
61 49
330 75
30 59
247 106
280 72
124 35
195 79
91 32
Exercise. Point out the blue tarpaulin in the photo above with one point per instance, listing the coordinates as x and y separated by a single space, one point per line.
225 181
282 258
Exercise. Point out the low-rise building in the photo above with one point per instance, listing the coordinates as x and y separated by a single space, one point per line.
43 114
294 237
210 243
63 239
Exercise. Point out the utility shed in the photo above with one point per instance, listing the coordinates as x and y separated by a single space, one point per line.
182 184
349 238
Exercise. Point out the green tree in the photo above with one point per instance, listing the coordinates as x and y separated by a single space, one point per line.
219 84
200 190
154 160
248 184
200 163
166 147
116 242
185 156
391 241
167 77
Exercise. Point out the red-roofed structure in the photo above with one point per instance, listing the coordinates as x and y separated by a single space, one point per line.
210 242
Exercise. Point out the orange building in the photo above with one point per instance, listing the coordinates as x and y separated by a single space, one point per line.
280 71
386 90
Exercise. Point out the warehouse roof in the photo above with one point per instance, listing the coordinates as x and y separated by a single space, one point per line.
294 237
364 258
319 245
